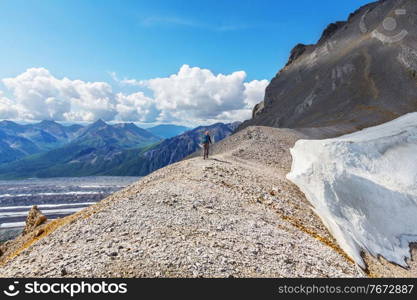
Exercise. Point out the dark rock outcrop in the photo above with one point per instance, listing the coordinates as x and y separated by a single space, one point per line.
362 72
296 52
34 220
331 29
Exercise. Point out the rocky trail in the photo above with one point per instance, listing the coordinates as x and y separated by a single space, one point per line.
233 215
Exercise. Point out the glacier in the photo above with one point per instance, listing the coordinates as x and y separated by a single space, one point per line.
364 187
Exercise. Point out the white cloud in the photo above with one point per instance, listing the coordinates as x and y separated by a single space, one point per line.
255 92
136 107
125 81
235 115
39 95
192 96
199 95
8 109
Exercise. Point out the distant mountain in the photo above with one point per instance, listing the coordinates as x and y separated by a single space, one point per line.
167 131
362 72
144 161
15 147
64 133
19 140
104 149
126 135
139 135
95 150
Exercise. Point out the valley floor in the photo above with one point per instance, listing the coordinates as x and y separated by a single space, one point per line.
234 214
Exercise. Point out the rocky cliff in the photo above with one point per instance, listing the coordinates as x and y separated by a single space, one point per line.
361 72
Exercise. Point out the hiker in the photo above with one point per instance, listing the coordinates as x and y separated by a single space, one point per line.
206 143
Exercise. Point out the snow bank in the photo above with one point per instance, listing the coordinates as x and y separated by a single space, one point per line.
364 187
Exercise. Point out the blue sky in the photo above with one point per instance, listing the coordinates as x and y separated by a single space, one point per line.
87 39
145 39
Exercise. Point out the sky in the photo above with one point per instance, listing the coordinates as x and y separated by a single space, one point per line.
186 62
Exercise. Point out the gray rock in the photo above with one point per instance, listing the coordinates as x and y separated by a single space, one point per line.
359 74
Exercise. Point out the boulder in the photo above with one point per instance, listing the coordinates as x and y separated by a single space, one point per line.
35 219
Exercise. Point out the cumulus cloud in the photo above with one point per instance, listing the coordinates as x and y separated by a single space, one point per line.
8 109
197 93
193 95
255 92
136 107
40 95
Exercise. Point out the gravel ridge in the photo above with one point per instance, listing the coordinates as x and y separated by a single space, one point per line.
233 215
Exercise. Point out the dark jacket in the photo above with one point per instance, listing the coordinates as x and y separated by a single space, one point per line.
206 139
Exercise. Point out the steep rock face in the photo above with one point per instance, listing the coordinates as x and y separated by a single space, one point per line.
362 72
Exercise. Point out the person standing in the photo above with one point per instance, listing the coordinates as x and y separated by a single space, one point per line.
206 144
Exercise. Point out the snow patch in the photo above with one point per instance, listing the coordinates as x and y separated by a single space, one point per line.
364 187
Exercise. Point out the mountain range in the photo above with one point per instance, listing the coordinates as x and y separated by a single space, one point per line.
172 150
17 140
167 131
98 149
